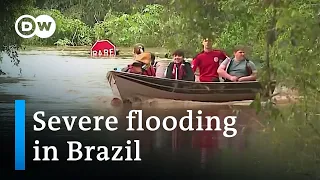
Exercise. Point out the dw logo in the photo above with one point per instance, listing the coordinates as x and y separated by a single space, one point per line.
44 25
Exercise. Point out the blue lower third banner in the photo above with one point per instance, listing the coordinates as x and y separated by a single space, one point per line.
20 135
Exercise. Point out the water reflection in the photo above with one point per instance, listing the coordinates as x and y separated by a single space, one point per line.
199 147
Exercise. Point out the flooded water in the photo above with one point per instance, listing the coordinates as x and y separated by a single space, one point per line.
74 80
68 85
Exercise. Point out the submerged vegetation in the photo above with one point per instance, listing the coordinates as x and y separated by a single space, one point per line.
281 35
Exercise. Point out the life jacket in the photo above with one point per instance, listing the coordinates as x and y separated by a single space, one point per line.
248 68
150 71
177 70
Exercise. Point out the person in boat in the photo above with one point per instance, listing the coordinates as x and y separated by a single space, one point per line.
158 67
142 62
179 69
238 68
208 62
139 49
139 66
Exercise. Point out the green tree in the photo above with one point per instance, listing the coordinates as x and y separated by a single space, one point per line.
10 42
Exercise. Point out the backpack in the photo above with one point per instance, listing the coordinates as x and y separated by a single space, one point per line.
248 68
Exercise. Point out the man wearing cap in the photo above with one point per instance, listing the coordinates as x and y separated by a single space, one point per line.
208 62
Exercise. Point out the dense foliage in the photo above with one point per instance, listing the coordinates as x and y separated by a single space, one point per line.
282 35
9 40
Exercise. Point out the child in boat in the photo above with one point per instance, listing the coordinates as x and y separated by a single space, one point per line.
238 68
142 62
139 49
179 69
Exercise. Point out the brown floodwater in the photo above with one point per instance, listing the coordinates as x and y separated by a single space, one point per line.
67 85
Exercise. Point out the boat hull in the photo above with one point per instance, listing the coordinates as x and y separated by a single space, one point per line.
127 86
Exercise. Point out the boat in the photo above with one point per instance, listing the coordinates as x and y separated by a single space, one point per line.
126 86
